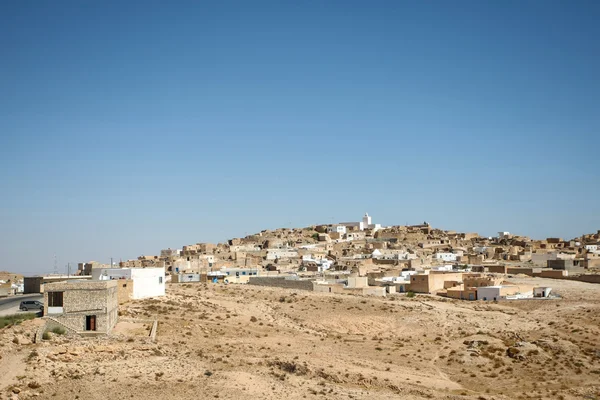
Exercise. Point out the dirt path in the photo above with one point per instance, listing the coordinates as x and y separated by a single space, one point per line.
11 366
451 384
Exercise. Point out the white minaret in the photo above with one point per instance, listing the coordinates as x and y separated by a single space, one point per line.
366 221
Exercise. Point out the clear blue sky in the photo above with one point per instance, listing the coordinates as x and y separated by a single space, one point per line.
127 127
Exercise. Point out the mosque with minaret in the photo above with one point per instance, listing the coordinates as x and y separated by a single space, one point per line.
366 223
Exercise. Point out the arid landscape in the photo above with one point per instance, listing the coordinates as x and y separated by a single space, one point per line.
242 341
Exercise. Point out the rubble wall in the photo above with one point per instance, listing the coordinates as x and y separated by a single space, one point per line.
281 282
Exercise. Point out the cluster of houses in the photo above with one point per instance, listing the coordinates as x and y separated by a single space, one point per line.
88 305
10 288
348 257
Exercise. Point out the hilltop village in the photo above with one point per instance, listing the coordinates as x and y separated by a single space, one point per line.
348 310
367 258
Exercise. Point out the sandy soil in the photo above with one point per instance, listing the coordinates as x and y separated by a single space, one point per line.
245 342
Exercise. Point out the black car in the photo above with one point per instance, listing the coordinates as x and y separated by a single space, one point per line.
27 305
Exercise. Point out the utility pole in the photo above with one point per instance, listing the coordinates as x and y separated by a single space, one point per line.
111 262
68 270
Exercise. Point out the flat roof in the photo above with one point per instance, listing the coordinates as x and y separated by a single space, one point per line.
80 284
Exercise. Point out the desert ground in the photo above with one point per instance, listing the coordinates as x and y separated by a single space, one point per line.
247 342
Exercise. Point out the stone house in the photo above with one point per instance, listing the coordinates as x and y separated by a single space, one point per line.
82 306
489 293
433 282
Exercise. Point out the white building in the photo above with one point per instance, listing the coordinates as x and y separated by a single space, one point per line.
403 278
366 223
592 248
442 268
186 278
503 235
147 282
493 293
358 225
341 229
324 264
445 256
366 220
541 291
488 293
274 254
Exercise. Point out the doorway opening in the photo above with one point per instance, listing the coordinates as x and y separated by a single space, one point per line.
90 322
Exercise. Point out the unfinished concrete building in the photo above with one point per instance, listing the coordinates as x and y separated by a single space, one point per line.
82 306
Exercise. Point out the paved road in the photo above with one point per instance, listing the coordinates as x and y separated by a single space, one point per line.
10 305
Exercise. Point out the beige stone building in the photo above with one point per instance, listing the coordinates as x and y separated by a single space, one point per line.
82 306
434 281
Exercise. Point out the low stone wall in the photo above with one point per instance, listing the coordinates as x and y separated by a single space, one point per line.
585 278
519 270
48 326
580 278
154 330
281 282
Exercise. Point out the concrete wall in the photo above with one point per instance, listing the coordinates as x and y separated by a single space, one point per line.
491 293
402 287
510 290
521 270
124 290
540 259
281 282
32 284
35 284
185 278
482 281
236 279
488 293
374 291
273 254
560 264
552 274
591 263
586 278
462 293
148 282
497 269
328 288
566 265
357 282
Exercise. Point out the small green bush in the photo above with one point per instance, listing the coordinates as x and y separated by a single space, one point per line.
410 294
15 319
59 330
46 336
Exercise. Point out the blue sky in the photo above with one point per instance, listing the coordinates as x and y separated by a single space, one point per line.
127 128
